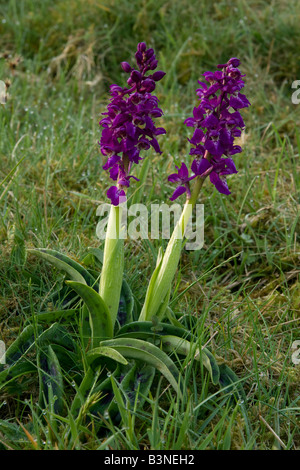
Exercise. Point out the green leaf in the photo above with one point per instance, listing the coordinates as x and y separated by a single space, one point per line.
85 326
100 321
137 382
119 404
10 176
57 334
22 344
16 353
184 347
51 380
146 329
19 369
57 315
164 305
171 317
147 352
227 378
211 365
97 253
107 352
144 313
68 360
75 270
125 305
134 380
89 385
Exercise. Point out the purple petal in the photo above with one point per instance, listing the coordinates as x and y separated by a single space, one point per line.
201 166
210 121
160 130
155 145
239 101
199 150
230 166
111 161
214 147
178 192
197 113
220 184
183 172
114 171
130 130
209 76
174 178
120 119
197 137
235 149
190 122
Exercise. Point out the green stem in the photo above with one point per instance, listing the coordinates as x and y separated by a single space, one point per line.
158 290
113 263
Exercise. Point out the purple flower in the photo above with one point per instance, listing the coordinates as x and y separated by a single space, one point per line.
128 125
181 177
114 194
217 122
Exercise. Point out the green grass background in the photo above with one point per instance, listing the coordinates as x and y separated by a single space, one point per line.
247 300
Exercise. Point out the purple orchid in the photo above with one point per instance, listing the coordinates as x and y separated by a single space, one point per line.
128 125
217 122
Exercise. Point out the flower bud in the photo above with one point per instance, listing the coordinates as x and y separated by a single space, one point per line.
150 53
136 76
148 85
153 64
158 75
141 47
126 67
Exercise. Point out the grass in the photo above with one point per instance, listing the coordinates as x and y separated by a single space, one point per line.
241 289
